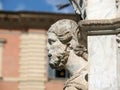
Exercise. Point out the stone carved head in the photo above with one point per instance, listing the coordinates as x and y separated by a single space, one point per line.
62 37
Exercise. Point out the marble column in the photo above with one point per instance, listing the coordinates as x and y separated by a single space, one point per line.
103 62
103 53
102 45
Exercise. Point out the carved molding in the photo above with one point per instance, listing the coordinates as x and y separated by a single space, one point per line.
105 26
26 20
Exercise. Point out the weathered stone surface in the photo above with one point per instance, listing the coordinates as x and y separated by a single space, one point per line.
79 7
101 9
102 62
118 7
102 46
66 51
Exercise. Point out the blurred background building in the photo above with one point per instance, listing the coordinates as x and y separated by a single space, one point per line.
23 51
23 44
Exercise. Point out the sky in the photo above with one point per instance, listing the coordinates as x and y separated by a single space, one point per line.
34 5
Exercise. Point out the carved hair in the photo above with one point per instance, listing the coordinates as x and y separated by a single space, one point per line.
64 29
67 30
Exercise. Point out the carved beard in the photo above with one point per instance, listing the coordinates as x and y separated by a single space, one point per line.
59 61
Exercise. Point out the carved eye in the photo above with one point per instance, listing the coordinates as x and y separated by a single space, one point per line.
50 41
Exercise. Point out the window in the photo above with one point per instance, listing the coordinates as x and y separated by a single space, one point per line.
2 41
56 74
61 74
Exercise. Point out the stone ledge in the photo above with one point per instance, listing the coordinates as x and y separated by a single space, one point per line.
105 26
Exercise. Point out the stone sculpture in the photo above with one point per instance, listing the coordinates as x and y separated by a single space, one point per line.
66 51
79 8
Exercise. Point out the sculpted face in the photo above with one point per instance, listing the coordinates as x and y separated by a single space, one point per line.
56 51
62 37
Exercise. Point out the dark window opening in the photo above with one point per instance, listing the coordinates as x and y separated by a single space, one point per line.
57 74
61 74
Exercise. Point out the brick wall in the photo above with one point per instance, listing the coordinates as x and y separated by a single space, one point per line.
33 60
10 59
24 61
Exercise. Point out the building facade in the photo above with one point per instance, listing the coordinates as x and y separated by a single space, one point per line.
23 51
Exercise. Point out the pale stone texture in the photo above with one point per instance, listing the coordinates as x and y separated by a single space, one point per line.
103 62
102 49
118 58
118 67
101 9
118 11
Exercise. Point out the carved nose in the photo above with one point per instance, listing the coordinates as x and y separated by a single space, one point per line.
49 55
